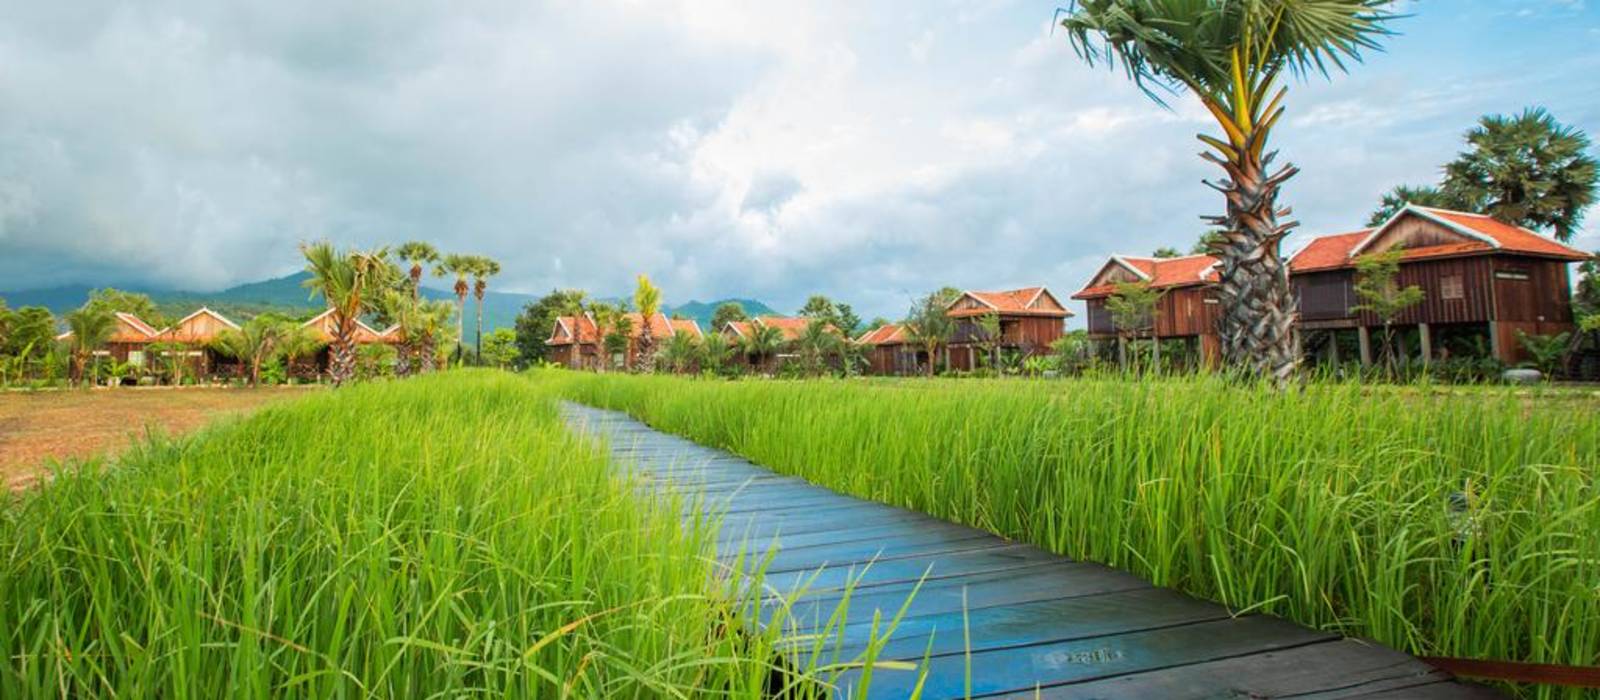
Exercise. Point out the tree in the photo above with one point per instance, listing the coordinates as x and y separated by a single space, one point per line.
500 348
1426 196
352 284
647 298
928 324
538 317
419 254
762 342
714 350
878 322
819 306
681 351
255 343
846 320
1231 54
988 333
816 344
483 268
29 327
295 343
113 301
1166 252
1208 242
1528 170
726 312
613 328
1382 295
461 267
1132 306
90 328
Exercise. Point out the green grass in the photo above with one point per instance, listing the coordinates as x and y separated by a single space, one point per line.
1443 524
439 537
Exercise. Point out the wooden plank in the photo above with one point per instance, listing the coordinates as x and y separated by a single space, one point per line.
1021 619
1079 660
1336 669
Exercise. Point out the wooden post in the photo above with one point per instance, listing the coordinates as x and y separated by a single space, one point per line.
1426 335
1494 343
1365 336
1122 353
1333 348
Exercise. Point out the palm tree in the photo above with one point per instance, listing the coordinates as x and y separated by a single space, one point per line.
762 342
460 266
352 284
1528 170
419 254
1230 54
294 342
929 324
483 267
816 343
680 351
91 327
713 352
647 298
254 343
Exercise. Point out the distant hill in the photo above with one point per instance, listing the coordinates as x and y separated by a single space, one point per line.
702 311
288 295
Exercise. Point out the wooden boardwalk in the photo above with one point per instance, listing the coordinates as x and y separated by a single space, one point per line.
1040 625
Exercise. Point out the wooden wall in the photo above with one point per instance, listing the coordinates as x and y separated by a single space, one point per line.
1545 296
1181 313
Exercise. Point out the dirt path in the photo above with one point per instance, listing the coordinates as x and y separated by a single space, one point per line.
37 426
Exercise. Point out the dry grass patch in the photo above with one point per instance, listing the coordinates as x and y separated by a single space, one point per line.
45 425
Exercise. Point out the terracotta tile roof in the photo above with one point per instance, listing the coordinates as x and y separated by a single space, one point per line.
1510 238
137 330
889 334
588 331
739 328
323 325
1160 273
1327 252
1480 234
791 326
1028 301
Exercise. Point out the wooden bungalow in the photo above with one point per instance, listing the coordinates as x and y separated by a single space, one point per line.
129 341
1186 311
1483 282
322 327
889 351
790 327
576 342
191 339
1031 319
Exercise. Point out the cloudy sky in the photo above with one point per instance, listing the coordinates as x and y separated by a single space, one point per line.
866 150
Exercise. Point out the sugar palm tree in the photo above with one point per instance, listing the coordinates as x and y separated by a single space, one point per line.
90 328
1529 170
254 343
419 254
647 298
762 342
483 267
461 267
1231 54
352 284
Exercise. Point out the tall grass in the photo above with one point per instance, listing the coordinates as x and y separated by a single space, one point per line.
1458 525
441 537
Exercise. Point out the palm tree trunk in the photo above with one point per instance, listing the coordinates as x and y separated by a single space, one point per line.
1258 310
479 341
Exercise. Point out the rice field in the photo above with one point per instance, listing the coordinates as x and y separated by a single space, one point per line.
439 537
1441 524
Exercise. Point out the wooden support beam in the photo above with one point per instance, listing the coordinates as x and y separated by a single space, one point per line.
1365 336
1426 335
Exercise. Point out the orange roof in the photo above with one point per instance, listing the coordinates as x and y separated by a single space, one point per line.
739 328
888 334
1014 302
791 326
588 331
1159 273
322 324
1480 234
129 329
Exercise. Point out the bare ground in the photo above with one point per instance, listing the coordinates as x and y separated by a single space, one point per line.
45 425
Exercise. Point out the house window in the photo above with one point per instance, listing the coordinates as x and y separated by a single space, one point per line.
1519 275
1450 287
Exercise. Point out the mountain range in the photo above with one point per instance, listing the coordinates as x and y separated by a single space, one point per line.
288 294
